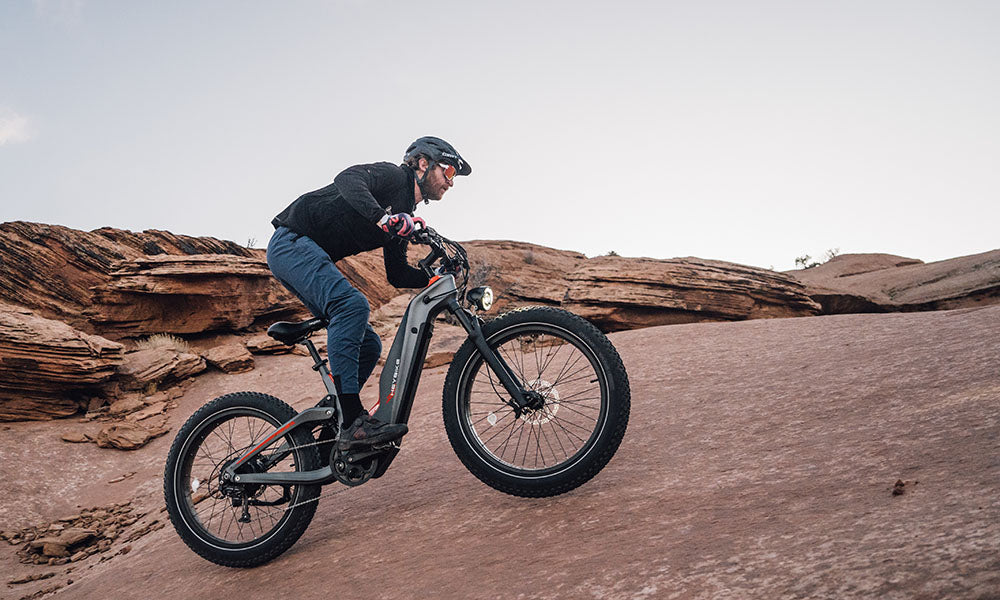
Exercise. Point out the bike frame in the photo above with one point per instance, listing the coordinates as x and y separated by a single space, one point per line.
397 383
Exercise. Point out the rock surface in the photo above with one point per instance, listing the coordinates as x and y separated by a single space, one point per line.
760 462
186 294
128 436
854 283
45 364
626 293
143 369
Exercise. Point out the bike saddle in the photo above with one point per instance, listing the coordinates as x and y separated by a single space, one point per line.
293 333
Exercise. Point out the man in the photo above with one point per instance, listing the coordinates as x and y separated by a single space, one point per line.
366 207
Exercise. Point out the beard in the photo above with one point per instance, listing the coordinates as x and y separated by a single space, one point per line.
428 191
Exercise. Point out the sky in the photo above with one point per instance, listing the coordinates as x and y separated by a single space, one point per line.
751 132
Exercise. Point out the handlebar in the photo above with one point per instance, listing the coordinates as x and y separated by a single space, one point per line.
450 253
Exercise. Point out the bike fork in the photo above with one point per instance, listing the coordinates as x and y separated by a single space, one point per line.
496 362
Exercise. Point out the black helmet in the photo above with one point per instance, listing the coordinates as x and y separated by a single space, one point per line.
440 151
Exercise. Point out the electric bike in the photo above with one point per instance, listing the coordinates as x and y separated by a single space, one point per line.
536 402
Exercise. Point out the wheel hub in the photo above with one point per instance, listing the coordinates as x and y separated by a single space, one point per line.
542 402
233 489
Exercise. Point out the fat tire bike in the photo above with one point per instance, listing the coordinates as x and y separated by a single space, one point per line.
536 402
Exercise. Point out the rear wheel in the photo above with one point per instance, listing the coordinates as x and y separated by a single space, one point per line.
230 524
578 403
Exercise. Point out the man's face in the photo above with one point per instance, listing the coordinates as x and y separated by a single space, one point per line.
436 184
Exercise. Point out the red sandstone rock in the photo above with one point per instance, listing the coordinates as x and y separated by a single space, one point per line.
625 293
230 358
854 283
53 269
127 436
153 366
186 294
44 364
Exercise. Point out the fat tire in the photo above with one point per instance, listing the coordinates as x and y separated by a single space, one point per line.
297 519
618 405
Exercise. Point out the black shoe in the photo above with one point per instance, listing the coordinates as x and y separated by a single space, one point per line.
367 431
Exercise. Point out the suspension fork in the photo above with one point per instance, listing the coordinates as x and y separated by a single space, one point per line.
496 362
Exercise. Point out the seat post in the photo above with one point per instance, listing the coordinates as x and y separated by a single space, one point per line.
317 361
320 365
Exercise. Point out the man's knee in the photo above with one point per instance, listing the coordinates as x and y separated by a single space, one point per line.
351 305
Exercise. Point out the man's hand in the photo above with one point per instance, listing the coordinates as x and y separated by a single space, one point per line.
401 224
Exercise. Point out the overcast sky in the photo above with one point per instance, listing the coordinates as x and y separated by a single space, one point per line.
753 132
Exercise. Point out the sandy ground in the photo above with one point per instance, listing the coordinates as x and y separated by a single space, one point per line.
758 463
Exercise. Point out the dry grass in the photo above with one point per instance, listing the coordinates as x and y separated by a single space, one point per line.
163 340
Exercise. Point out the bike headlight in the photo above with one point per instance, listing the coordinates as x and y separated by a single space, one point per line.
481 297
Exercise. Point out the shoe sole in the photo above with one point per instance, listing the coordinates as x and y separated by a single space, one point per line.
375 439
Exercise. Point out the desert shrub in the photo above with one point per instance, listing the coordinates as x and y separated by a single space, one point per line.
529 257
612 253
481 273
163 340
803 261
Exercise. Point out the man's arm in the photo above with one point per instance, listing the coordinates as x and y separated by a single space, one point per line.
399 273
357 186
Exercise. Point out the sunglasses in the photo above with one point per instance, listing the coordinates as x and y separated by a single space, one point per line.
449 171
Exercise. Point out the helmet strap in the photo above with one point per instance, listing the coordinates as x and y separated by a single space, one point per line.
421 182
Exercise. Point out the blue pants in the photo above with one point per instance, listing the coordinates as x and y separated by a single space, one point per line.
307 271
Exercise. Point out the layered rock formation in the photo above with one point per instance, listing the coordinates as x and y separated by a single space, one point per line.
187 294
619 293
857 283
53 269
46 365
121 285
626 293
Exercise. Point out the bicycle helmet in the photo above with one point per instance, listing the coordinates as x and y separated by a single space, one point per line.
438 151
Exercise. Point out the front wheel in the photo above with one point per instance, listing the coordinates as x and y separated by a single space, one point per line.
575 421
229 524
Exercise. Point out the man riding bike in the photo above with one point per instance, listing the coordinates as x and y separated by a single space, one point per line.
366 207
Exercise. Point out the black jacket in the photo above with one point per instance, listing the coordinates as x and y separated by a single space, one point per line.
343 217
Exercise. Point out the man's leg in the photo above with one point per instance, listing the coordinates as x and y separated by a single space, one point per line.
371 349
306 269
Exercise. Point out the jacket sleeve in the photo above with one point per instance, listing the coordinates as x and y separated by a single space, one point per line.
399 273
358 185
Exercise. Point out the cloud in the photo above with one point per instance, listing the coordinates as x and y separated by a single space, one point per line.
13 127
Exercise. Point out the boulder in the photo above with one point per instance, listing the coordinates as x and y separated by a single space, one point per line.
128 404
857 283
147 368
154 409
230 358
46 365
128 436
76 535
261 343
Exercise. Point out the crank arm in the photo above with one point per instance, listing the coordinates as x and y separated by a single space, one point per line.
353 457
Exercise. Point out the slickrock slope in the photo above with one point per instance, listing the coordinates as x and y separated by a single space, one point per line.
760 461
43 362
883 283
